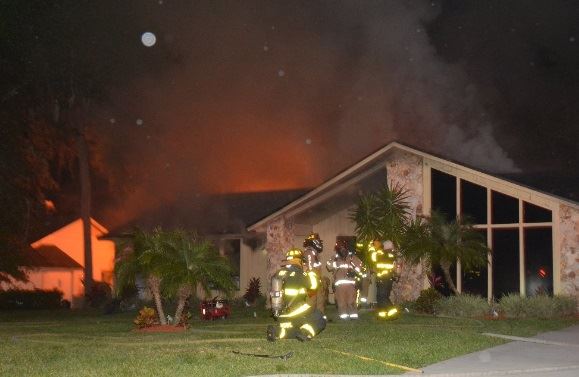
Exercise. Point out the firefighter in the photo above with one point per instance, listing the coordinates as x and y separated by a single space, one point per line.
313 246
383 263
289 292
364 279
346 267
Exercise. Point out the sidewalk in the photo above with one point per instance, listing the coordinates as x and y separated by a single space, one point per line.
550 354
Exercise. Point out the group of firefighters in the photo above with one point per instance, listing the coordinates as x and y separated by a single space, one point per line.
298 293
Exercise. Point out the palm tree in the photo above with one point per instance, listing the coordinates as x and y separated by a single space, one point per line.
195 262
381 215
150 260
439 242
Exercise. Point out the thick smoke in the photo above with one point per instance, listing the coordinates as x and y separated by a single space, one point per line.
283 96
403 90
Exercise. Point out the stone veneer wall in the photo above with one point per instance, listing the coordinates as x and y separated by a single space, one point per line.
279 240
569 230
405 170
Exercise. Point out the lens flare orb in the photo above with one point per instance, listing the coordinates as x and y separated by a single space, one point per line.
148 39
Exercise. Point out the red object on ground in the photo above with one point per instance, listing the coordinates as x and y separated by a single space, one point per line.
216 308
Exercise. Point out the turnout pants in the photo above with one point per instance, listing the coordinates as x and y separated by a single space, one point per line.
302 327
383 289
345 295
318 300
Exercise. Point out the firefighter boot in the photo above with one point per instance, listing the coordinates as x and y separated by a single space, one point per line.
272 333
303 336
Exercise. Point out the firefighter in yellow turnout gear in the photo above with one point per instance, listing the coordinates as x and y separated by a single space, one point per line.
384 264
313 246
347 267
289 292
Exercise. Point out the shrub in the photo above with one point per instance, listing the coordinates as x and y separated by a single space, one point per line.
147 317
540 306
99 295
464 305
252 293
565 306
513 306
30 299
425 303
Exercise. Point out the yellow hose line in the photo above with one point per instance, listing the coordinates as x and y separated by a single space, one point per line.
378 361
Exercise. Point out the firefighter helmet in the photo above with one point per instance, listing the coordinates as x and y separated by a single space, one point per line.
314 241
342 248
294 256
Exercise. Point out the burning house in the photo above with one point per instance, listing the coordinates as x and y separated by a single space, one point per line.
533 234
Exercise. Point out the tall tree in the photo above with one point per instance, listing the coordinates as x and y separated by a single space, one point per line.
59 60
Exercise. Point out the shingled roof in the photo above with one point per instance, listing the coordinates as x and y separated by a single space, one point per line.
50 256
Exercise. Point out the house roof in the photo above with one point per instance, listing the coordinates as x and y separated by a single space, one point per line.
50 256
212 214
97 228
350 182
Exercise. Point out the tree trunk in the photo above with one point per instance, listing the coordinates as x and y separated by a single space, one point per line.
85 206
184 293
155 286
446 270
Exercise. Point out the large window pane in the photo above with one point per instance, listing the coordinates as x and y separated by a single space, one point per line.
505 209
475 281
538 261
536 214
505 252
473 202
443 192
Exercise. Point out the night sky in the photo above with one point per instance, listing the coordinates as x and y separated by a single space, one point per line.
249 96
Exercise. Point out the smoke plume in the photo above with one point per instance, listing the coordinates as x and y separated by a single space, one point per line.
263 96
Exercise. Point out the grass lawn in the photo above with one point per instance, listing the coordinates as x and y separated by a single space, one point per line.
69 343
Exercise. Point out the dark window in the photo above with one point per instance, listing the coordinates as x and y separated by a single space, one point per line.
538 261
536 214
505 252
438 280
473 202
232 251
475 281
443 193
505 209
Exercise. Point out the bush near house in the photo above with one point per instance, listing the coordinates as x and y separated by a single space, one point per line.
540 306
30 299
511 306
464 305
99 295
253 291
425 303
147 317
